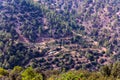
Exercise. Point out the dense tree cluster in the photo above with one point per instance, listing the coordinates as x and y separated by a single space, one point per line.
108 72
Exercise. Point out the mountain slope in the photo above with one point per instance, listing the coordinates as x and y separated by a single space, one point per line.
56 35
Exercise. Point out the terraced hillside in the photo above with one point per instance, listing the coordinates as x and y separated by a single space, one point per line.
57 34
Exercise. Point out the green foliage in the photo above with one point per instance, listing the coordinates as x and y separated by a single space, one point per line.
15 74
3 72
72 75
111 70
17 69
115 72
106 71
30 74
38 77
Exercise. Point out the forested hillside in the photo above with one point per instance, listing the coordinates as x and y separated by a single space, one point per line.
59 34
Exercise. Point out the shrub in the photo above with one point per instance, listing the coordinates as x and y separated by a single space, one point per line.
3 72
